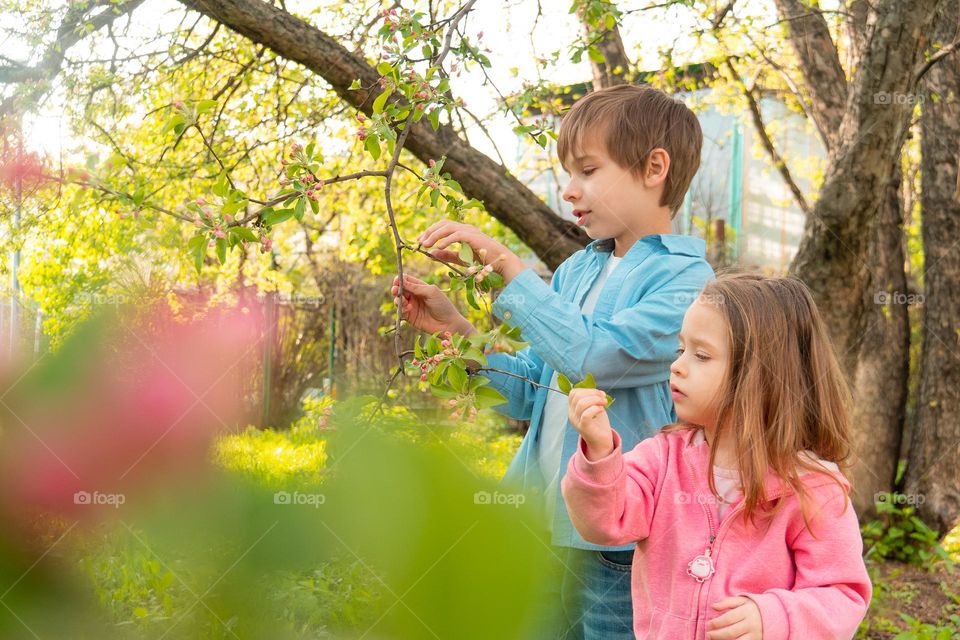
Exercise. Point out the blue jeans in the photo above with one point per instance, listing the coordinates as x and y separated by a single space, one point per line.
587 597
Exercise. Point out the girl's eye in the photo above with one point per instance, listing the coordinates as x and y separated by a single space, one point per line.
587 172
680 351
702 357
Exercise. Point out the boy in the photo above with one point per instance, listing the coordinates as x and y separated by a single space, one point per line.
613 309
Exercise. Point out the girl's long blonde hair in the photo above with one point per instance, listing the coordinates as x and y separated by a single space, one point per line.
785 392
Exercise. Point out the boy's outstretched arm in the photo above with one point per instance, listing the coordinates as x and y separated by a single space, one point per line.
632 348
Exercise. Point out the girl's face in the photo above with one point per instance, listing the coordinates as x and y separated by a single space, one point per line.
698 374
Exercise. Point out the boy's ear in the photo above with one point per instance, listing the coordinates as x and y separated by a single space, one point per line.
658 163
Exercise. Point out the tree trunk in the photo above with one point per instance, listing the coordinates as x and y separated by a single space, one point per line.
882 363
552 238
850 251
933 475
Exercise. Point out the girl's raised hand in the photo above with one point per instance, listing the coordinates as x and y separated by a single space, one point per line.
588 414
741 621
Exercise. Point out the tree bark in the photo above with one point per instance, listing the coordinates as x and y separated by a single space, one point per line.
851 252
882 358
505 198
933 475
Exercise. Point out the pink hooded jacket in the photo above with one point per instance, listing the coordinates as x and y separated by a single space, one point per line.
806 587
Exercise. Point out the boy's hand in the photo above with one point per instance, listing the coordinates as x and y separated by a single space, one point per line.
425 307
742 621
486 249
588 414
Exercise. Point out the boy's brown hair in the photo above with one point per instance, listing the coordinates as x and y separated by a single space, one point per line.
631 121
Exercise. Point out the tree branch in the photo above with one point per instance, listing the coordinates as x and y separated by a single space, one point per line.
761 129
504 197
819 63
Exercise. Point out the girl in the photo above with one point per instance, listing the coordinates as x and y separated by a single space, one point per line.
740 513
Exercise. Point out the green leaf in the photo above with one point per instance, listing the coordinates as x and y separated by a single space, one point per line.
314 206
355 85
222 250
417 350
372 145
457 376
384 68
276 217
564 383
444 391
475 354
380 101
488 397
173 123
244 233
495 280
206 105
587 383
199 240
199 252
220 187
466 253
300 208
434 118
471 297
595 55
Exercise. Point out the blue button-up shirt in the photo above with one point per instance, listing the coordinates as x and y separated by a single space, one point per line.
628 344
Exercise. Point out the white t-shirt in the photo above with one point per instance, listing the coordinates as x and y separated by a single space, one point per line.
553 425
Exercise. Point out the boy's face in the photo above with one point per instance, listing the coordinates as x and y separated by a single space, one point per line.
699 373
609 201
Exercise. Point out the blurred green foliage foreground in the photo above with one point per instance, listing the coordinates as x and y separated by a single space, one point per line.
135 507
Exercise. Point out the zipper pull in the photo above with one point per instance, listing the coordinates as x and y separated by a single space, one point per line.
701 567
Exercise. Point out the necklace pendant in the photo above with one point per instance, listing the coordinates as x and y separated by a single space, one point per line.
701 567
